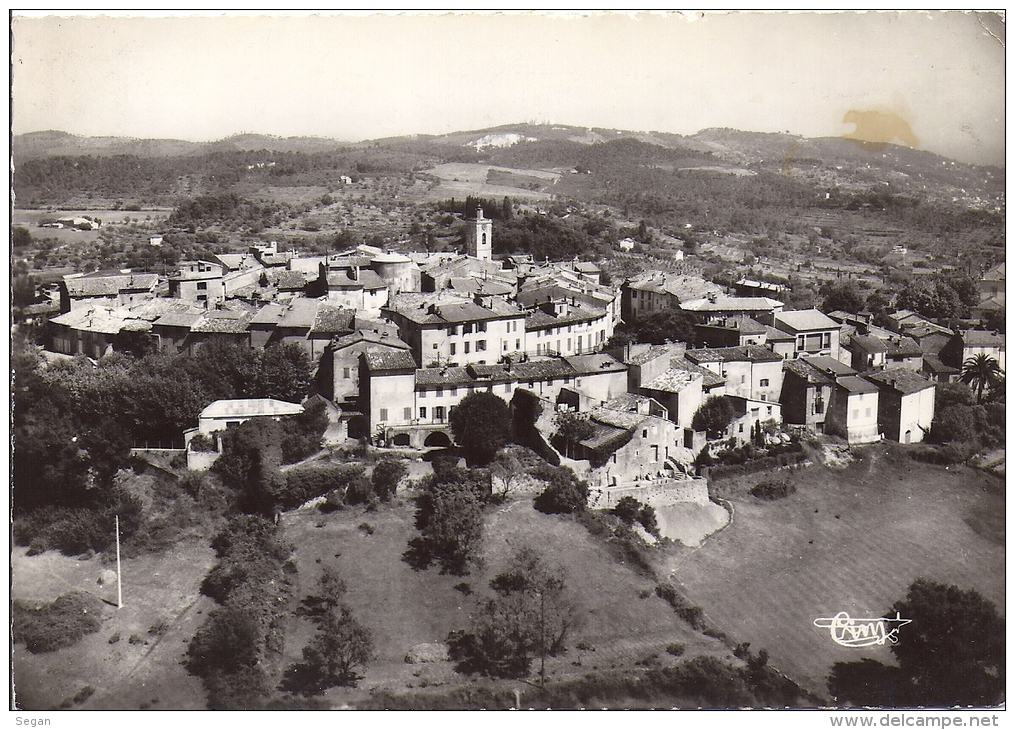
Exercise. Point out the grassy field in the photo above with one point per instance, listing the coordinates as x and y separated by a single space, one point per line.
460 179
850 540
623 622
134 659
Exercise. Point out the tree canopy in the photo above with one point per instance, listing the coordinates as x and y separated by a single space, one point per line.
953 653
713 416
481 424
530 615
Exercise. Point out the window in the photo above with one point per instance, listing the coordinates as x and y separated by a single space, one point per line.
741 428
480 345
569 342
440 392
743 379
435 345
800 342
644 433
407 414
454 391
770 410
764 383
202 297
345 373
505 344
480 326
819 404
202 285
422 393
827 340
867 413
453 349
422 411
438 413
467 329
856 413
384 414
507 387
518 344
466 348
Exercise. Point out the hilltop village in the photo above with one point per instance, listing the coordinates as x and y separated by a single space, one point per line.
615 480
398 339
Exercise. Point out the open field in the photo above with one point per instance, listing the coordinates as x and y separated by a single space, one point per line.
404 608
850 540
461 179
125 674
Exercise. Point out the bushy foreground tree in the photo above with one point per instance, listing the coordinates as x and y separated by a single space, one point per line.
953 653
481 424
529 616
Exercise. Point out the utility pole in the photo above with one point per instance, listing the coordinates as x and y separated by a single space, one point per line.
119 588
542 642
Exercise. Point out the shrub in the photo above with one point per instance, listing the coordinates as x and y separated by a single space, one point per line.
201 442
676 649
773 489
564 494
56 625
386 475
693 615
306 482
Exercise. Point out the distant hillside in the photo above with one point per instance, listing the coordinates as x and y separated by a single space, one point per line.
51 144
58 144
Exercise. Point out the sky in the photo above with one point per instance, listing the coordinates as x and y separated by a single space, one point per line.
371 75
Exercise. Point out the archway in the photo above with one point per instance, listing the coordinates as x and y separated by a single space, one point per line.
437 440
401 439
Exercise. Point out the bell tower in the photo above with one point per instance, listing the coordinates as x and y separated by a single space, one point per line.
479 237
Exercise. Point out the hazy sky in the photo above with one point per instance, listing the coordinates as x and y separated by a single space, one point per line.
363 76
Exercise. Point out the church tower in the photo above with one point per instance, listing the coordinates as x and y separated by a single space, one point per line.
479 237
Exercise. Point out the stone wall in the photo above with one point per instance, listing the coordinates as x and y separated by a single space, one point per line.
659 493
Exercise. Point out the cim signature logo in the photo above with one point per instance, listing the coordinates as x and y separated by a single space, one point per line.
858 632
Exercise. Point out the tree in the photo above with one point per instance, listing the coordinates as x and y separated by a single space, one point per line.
981 372
631 510
283 372
449 518
386 476
529 616
713 417
482 425
21 237
953 653
572 429
955 650
565 493
302 434
667 325
507 469
845 295
340 646
250 464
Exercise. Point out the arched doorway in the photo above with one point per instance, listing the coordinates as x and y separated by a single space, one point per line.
401 439
437 440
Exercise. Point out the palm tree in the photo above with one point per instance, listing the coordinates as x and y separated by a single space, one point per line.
980 372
